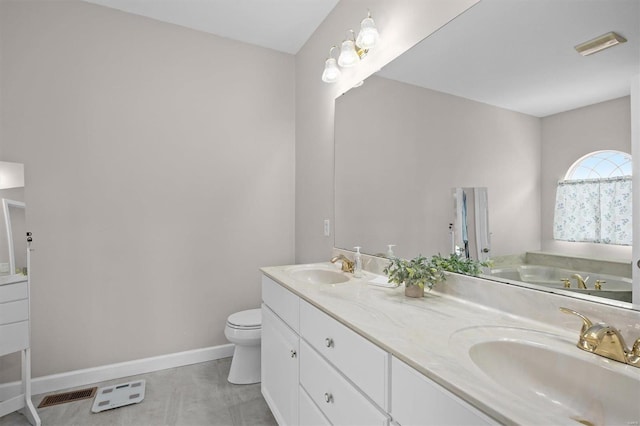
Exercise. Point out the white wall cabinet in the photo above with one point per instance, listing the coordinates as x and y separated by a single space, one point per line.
14 337
317 371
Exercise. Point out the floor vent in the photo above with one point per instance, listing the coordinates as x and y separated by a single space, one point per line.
62 398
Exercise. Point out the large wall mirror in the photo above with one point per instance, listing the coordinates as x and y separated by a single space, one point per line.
498 99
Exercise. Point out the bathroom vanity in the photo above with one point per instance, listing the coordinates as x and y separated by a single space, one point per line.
337 350
14 337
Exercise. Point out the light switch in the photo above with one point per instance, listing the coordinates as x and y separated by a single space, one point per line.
327 228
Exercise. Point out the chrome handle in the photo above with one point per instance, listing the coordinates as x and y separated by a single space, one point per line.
328 398
294 353
328 342
485 250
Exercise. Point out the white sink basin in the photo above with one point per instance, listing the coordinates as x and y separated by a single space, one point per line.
318 274
551 373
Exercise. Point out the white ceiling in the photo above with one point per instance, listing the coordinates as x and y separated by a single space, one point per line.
283 25
519 54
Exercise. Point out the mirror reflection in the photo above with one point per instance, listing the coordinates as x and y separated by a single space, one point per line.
13 245
470 236
499 99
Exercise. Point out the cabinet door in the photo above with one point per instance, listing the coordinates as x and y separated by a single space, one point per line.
417 400
280 348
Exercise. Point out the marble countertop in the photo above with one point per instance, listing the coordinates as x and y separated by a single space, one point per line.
12 279
419 332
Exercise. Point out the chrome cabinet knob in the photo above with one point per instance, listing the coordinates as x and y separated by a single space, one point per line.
328 342
294 353
328 398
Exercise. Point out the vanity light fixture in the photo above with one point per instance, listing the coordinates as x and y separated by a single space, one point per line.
600 43
349 56
352 50
368 35
331 72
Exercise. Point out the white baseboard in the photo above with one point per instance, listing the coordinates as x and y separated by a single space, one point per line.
71 379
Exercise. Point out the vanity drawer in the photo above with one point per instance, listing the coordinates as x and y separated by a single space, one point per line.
310 414
339 401
11 292
281 301
15 337
14 311
364 363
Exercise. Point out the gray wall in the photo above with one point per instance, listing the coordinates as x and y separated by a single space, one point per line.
400 149
159 169
568 136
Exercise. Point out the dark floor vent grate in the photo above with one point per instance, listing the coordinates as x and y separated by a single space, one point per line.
61 398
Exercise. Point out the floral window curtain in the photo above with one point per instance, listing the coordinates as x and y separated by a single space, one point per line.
597 211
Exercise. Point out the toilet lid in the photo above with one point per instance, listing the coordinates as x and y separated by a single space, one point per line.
244 319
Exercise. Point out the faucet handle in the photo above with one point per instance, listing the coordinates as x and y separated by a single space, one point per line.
566 282
599 284
586 322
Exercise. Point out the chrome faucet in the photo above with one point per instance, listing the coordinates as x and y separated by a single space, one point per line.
582 282
347 265
604 340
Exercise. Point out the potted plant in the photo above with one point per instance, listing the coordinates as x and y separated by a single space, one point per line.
415 274
459 264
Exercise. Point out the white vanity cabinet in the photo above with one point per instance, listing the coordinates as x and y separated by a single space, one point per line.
417 400
318 371
14 337
279 352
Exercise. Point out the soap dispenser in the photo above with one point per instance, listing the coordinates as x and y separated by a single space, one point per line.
357 267
390 254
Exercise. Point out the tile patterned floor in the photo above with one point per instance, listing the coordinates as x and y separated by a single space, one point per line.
195 395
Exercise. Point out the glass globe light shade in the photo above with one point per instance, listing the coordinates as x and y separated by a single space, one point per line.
348 55
368 35
331 71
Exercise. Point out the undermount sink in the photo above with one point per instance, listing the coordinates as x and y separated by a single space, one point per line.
550 372
318 274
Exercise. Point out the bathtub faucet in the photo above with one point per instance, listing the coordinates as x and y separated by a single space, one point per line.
582 282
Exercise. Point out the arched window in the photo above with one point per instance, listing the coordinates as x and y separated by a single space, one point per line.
593 202
600 165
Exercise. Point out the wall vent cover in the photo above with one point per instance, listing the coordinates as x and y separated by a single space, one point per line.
62 398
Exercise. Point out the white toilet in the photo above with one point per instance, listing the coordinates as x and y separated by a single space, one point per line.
244 329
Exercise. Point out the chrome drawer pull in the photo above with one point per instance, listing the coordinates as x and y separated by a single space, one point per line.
294 353
328 398
328 342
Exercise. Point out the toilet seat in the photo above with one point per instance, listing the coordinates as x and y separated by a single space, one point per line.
246 320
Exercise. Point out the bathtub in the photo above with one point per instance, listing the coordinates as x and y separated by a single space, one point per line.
617 288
